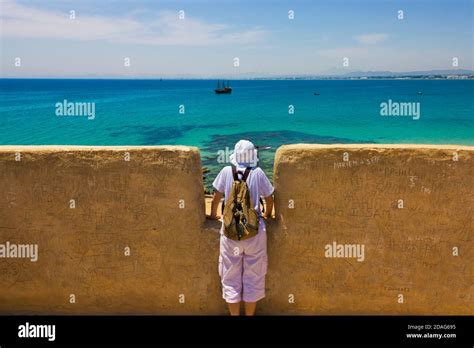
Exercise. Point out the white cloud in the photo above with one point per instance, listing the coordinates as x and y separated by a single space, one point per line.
363 51
371 39
340 52
19 21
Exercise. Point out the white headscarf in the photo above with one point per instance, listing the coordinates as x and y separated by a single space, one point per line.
245 155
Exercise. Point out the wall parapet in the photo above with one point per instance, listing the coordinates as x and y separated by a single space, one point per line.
360 229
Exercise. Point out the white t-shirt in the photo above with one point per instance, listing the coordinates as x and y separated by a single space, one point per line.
257 182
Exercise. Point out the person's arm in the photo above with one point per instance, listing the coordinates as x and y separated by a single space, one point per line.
268 207
215 204
266 190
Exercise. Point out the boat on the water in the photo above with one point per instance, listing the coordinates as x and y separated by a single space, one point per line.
222 88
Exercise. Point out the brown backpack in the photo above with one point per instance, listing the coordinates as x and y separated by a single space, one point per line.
240 218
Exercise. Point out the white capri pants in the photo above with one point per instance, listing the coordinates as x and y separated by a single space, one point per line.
243 266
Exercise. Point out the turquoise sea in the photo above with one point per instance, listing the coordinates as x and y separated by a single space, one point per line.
147 112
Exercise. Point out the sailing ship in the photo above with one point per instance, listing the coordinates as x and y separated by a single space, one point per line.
222 88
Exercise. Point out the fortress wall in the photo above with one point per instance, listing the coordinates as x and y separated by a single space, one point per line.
408 206
342 194
118 204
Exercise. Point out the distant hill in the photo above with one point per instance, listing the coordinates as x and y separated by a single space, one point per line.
408 73
331 74
337 74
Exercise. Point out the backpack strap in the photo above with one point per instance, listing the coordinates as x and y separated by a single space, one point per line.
235 174
246 174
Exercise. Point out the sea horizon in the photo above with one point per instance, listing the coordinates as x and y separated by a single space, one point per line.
117 117
270 113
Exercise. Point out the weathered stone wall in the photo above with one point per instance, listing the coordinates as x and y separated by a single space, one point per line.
407 206
118 204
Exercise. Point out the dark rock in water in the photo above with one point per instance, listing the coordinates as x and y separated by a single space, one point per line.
272 139
158 135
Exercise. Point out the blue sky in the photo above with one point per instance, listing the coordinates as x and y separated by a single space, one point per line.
205 43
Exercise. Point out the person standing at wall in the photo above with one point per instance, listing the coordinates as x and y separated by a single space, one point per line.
243 257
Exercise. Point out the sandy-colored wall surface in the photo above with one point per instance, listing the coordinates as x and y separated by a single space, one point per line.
153 204
118 204
351 195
